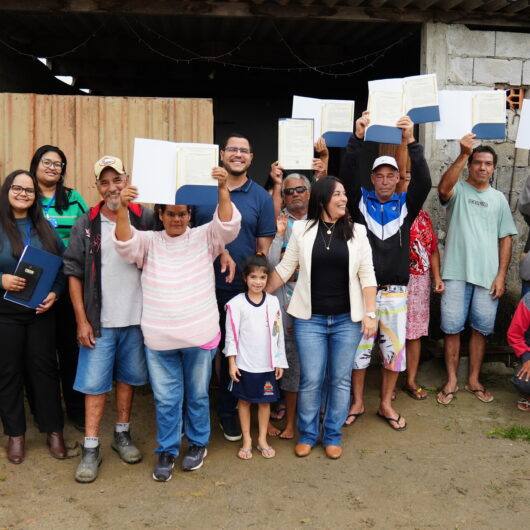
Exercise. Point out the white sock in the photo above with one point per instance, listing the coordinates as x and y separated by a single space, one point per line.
91 442
122 427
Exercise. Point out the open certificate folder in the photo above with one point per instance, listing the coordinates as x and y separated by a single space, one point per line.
390 99
39 268
174 173
523 132
295 143
332 118
482 112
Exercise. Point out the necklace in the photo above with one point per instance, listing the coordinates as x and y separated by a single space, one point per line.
329 231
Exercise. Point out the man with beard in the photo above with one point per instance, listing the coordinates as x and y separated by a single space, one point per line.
258 228
107 301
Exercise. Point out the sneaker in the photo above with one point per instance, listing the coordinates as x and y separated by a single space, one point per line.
163 470
125 447
195 458
87 470
231 429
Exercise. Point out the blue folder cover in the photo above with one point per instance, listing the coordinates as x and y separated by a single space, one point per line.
195 195
383 134
425 114
336 139
489 131
50 264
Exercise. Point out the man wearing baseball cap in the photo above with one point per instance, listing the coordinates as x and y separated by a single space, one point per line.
106 295
388 217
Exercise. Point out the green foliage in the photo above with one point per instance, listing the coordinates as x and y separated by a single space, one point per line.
513 433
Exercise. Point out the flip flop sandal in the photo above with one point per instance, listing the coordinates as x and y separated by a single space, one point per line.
244 454
451 395
266 452
524 405
390 420
476 392
415 393
356 416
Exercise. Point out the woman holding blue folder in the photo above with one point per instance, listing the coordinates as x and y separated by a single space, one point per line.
28 335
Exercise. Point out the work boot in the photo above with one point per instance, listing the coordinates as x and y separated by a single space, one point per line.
125 447
87 470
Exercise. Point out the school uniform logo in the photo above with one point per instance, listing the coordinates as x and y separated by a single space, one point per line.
268 389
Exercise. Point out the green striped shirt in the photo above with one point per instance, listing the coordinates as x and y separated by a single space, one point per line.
64 222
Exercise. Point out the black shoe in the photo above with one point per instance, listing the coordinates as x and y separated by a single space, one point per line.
231 429
163 470
195 458
87 470
124 446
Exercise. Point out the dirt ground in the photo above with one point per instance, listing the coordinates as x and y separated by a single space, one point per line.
443 472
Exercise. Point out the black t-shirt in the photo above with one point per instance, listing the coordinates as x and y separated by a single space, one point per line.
329 274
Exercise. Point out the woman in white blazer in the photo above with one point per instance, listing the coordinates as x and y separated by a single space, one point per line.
333 304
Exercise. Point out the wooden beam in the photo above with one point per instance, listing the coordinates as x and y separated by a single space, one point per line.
268 9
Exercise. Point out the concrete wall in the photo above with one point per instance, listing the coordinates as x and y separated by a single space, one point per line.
470 60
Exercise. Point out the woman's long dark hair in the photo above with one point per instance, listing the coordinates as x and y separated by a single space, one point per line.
321 193
61 191
9 225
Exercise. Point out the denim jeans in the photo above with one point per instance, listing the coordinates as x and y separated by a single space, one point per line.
180 377
326 345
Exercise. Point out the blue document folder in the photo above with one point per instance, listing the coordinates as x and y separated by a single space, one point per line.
383 134
489 131
195 195
43 265
425 114
336 139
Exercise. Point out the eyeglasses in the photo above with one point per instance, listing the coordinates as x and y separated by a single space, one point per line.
242 150
116 180
50 163
17 190
291 191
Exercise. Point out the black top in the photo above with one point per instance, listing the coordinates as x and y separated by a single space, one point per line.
329 274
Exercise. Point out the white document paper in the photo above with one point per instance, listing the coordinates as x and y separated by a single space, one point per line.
161 167
489 107
295 143
328 115
419 91
523 132
461 110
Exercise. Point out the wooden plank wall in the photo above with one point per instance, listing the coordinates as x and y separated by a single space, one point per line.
88 127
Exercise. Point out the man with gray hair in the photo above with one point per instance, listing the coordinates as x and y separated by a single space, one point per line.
295 189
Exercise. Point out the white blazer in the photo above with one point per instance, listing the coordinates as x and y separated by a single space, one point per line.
299 252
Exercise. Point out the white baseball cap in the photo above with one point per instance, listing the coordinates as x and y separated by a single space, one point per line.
385 161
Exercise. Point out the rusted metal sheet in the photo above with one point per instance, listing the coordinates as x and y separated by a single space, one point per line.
88 127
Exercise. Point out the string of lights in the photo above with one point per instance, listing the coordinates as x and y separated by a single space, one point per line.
378 54
62 54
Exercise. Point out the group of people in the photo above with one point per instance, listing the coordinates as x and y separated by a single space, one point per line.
283 293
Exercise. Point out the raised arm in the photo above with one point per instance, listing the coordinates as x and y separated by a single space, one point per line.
276 175
451 176
224 211
123 226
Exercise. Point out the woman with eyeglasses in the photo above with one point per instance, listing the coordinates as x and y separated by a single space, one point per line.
62 207
28 336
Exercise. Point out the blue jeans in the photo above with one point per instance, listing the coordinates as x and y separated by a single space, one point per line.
326 344
118 355
177 377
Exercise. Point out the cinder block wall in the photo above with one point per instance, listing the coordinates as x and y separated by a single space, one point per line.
472 60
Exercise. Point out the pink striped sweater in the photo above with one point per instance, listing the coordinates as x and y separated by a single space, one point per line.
178 284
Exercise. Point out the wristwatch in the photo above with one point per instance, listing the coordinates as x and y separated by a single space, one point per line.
370 314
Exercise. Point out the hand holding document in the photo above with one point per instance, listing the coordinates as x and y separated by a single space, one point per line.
482 112
332 118
162 168
295 143
390 99
523 133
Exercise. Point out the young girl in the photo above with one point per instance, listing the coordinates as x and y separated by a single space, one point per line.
255 349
